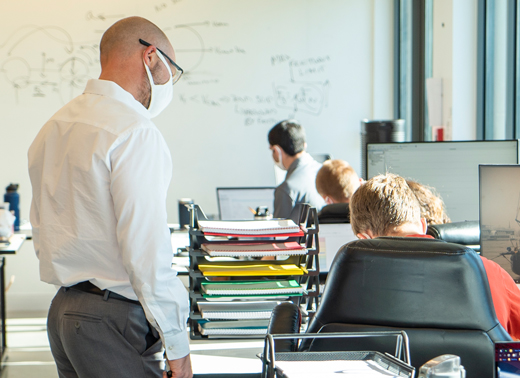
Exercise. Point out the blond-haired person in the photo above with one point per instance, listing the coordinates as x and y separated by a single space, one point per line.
432 205
386 206
336 181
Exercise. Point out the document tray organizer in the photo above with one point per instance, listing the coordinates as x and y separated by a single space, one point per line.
308 301
387 362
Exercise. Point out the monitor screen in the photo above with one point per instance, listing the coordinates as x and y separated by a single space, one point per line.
507 359
500 216
236 203
332 237
449 167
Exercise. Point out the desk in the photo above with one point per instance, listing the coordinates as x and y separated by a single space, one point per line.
180 261
15 242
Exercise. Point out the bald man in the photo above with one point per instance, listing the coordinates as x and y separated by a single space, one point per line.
100 170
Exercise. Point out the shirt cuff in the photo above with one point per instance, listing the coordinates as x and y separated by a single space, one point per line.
177 345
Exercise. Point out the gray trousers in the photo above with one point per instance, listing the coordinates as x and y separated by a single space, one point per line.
95 338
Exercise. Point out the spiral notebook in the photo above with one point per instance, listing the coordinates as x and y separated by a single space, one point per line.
252 287
234 327
248 298
255 228
233 310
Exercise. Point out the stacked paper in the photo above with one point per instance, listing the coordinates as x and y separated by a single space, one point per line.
282 227
251 249
252 287
234 327
230 310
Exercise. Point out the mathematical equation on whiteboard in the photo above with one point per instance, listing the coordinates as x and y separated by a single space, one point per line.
304 91
45 62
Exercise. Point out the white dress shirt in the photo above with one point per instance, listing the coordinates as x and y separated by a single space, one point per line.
100 170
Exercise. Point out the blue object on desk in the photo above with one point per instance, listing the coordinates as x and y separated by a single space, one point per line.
13 198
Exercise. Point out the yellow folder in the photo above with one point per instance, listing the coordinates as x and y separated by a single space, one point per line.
252 269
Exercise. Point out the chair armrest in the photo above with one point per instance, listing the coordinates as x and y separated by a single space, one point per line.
285 318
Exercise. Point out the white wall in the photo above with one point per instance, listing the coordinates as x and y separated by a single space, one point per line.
244 49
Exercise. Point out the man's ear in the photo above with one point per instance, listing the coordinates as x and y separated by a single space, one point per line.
366 235
328 200
150 56
424 224
279 151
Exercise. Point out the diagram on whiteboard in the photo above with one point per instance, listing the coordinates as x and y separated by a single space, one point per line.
44 61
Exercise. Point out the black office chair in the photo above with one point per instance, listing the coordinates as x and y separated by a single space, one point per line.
436 291
466 233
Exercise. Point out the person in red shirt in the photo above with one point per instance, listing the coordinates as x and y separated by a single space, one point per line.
386 206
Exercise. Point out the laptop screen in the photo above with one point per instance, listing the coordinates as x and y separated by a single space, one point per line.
507 359
499 187
236 203
332 237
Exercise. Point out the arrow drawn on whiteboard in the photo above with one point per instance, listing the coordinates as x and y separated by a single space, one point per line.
33 29
205 23
91 16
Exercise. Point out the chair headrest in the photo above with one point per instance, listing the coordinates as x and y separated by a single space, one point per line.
407 282
467 233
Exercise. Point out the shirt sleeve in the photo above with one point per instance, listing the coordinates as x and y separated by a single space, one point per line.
506 297
141 166
283 203
512 293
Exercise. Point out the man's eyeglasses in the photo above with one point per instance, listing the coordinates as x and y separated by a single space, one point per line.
178 70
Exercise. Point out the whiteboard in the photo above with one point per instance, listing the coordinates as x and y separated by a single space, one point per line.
248 63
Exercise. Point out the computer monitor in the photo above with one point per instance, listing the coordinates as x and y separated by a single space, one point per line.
500 216
236 203
449 167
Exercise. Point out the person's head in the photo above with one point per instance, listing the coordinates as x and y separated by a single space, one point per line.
385 206
432 206
336 181
130 57
286 140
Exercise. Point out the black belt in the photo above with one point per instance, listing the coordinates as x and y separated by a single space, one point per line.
88 287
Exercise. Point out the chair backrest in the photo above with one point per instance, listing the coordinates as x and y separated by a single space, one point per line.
436 291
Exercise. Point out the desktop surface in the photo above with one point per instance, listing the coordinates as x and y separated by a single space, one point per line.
449 167
237 203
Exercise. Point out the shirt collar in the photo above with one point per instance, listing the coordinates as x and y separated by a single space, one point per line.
420 236
302 160
113 90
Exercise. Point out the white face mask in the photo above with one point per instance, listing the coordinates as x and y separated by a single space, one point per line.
161 94
279 163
